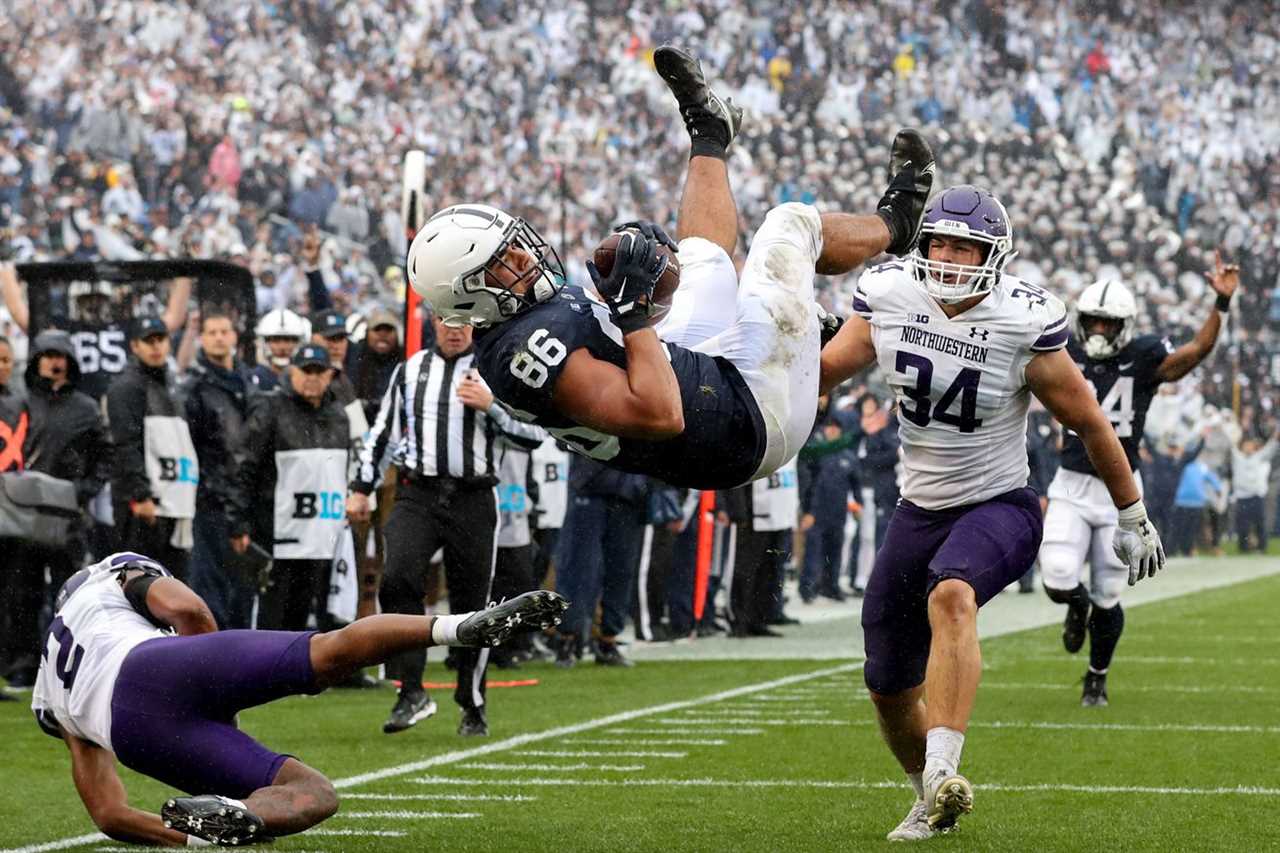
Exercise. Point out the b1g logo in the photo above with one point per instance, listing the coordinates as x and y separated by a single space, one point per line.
326 506
179 469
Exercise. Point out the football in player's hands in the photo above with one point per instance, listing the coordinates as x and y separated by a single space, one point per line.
663 291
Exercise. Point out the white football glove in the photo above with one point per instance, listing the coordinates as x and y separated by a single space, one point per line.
1137 543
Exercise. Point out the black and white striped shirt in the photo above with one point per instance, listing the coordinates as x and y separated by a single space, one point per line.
430 432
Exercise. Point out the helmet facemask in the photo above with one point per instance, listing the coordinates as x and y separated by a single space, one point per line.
966 280
1104 345
512 289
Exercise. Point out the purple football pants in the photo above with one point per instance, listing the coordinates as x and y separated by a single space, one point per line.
987 545
175 701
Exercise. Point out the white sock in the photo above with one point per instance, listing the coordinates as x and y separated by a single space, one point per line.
942 751
444 629
917 783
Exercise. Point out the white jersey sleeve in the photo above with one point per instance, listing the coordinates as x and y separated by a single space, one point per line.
959 381
86 644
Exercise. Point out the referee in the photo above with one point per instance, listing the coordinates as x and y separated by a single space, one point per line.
439 421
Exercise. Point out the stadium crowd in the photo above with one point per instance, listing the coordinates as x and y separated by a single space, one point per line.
1127 140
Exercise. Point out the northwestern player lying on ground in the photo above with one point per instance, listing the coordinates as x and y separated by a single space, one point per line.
135 669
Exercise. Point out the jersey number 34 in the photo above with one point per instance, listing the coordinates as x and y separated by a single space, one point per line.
965 386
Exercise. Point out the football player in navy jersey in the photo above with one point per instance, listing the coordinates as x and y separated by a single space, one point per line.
724 388
1124 371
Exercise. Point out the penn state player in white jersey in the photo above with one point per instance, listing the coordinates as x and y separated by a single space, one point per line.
964 346
1125 372
723 391
134 668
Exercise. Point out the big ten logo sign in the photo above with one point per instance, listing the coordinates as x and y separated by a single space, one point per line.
782 480
327 506
178 469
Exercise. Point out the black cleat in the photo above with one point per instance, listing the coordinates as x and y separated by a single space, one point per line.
215 819
1095 690
530 611
1075 625
608 654
473 723
704 112
409 710
828 325
902 208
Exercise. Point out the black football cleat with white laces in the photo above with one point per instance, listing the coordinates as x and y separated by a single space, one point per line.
217 820
530 611
704 112
902 207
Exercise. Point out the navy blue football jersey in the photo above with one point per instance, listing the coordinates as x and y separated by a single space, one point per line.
1125 384
724 437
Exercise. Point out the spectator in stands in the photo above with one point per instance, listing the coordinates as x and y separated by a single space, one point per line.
1198 488
826 484
155 476
289 489
67 439
1250 473
216 406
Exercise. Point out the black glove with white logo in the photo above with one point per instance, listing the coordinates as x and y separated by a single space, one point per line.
628 288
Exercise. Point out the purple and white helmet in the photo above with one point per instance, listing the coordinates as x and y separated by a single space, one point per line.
971 214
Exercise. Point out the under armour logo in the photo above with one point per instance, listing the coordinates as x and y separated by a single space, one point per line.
975 332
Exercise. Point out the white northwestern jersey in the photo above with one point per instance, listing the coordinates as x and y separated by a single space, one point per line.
960 384
90 636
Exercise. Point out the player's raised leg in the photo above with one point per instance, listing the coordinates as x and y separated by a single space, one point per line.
371 640
707 224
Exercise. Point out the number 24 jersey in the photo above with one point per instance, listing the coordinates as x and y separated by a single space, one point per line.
959 381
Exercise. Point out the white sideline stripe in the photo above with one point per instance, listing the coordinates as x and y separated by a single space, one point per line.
701 730
737 711
1167 688
521 765
61 844
1181 660
492 798
685 721
1129 727
456 756
589 753
1239 790
642 741
381 833
401 814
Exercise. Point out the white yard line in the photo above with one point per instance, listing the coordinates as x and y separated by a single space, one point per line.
1128 727
693 721
1162 688
379 833
406 814
644 741
588 753
459 755
523 765
741 710
1180 660
61 844
1238 790
452 798
701 730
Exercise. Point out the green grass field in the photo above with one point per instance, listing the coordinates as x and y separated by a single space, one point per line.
781 755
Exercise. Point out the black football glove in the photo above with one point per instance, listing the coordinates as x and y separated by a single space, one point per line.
628 288
652 230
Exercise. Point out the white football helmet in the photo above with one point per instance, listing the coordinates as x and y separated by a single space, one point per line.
281 323
1110 300
460 264
89 301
